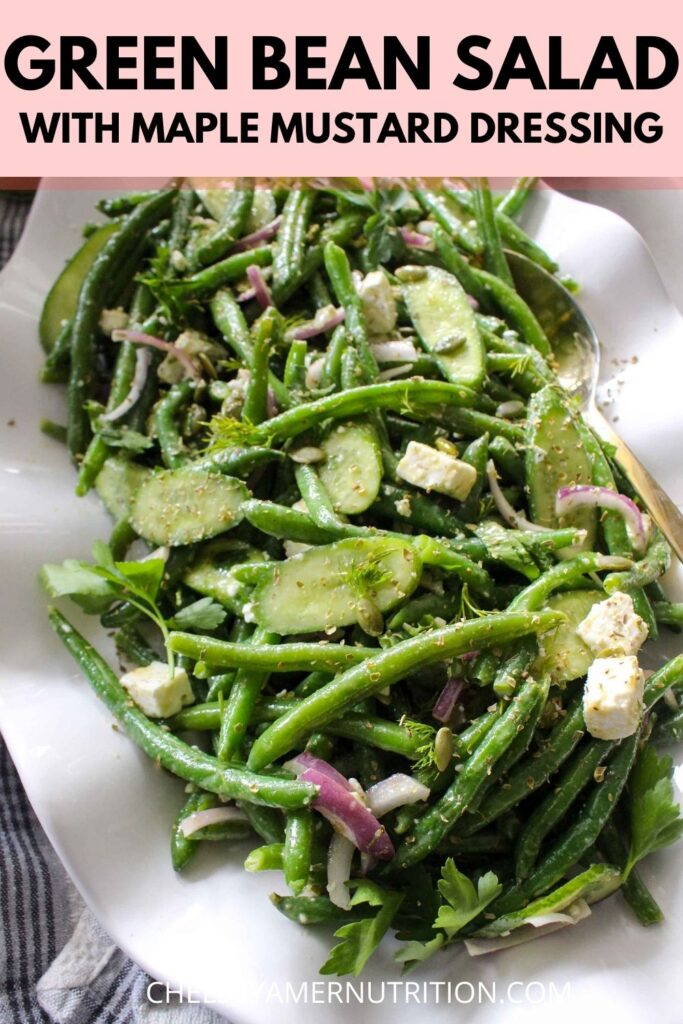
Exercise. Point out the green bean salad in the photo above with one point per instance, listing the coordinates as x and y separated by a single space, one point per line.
378 592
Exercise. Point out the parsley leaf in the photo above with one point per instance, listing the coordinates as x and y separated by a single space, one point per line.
464 902
655 815
414 953
78 581
505 547
202 614
361 938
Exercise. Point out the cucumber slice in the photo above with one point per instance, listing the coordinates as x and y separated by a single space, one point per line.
564 654
352 470
556 457
263 208
181 506
62 298
117 484
211 573
444 319
330 586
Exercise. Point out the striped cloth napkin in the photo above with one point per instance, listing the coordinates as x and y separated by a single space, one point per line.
56 962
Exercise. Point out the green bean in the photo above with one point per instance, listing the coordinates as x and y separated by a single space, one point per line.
291 236
131 643
172 446
90 305
180 222
350 370
220 241
633 889
472 423
229 319
422 395
312 910
339 273
467 741
316 499
434 825
120 539
205 283
515 309
384 668
437 553
580 836
265 858
293 657
508 459
319 292
564 574
669 675
239 707
555 805
341 231
296 854
311 682
509 232
465 234
484 210
119 205
256 398
295 366
509 672
476 455
513 201
655 563
455 262
171 753
331 375
669 613
424 513
54 430
267 822
182 847
670 729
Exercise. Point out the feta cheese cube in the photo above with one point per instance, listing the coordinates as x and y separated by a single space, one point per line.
433 470
613 697
171 370
613 627
156 692
113 320
379 304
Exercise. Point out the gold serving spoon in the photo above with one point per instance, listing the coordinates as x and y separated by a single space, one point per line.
577 352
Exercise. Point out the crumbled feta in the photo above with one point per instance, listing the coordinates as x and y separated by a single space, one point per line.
235 393
171 371
433 470
179 260
113 320
613 627
379 304
156 692
613 697
403 506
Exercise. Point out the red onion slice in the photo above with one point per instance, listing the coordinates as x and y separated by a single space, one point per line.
263 234
399 350
568 499
247 295
325 320
395 791
305 760
447 699
507 512
142 360
415 239
261 289
212 816
139 338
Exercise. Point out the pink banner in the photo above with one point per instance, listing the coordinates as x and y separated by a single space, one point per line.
130 97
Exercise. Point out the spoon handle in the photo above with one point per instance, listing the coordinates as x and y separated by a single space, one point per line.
665 513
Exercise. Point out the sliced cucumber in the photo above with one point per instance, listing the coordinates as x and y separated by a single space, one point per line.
352 470
117 484
263 208
335 584
62 298
181 506
564 654
556 457
211 573
444 319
